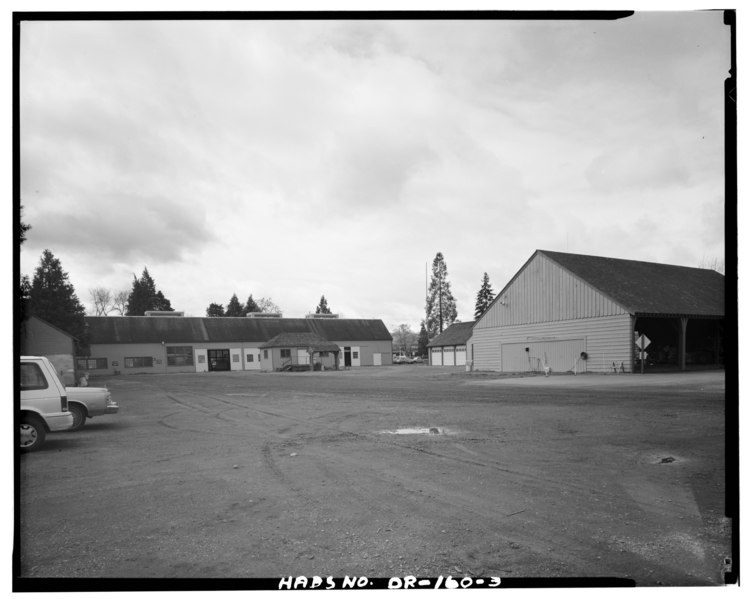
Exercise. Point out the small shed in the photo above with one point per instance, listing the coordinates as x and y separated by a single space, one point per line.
40 338
449 347
299 351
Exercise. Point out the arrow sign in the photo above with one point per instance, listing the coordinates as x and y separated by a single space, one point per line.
643 342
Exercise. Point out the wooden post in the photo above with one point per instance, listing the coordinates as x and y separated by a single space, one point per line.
683 338
643 352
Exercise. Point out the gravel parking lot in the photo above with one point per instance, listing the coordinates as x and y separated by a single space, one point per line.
382 472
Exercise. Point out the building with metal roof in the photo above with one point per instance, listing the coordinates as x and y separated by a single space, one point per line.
569 312
162 343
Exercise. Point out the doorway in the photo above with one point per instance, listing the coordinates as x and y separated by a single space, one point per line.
219 359
346 355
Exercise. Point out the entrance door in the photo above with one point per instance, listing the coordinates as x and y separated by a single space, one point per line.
236 362
201 360
219 359
356 356
377 359
346 359
253 358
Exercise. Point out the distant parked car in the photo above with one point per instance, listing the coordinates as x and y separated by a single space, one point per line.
415 360
44 403
87 402
401 359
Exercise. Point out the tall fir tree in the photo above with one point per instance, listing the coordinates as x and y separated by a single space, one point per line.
423 340
441 310
234 307
323 308
23 227
53 298
484 297
144 296
251 306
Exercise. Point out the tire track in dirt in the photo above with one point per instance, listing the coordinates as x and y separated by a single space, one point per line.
456 503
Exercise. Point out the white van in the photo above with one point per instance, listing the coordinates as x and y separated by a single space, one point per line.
44 404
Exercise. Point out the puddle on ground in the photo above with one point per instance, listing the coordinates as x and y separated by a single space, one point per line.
664 459
434 430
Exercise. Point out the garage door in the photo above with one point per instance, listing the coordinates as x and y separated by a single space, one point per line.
436 356
449 356
460 355
561 355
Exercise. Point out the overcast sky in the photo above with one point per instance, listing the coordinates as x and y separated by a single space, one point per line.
296 159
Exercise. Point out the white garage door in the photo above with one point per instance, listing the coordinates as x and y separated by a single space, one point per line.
460 355
436 356
449 356
561 355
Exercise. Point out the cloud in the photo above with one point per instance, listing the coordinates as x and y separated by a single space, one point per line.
295 158
653 165
134 229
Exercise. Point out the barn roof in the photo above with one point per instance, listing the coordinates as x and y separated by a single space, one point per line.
172 329
307 340
455 334
648 288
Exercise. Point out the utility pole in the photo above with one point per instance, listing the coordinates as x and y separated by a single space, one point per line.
441 322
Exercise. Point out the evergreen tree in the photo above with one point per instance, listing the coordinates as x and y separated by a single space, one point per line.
23 227
251 306
52 298
484 297
161 302
440 303
234 307
423 340
144 296
215 310
323 308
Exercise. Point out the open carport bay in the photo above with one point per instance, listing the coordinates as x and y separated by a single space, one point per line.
385 472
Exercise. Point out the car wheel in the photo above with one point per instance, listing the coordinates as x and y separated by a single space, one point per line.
79 416
32 433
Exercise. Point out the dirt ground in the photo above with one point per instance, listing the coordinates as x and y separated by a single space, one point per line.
386 472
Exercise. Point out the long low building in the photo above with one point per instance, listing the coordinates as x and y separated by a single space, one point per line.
162 344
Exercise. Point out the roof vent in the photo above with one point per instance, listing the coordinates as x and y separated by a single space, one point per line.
310 315
264 315
162 313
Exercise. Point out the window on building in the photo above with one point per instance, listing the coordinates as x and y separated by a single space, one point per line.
250 358
91 363
140 362
355 355
202 359
179 355
266 354
32 377
284 353
236 358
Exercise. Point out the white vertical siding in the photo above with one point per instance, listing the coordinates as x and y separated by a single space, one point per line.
560 355
545 292
607 339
